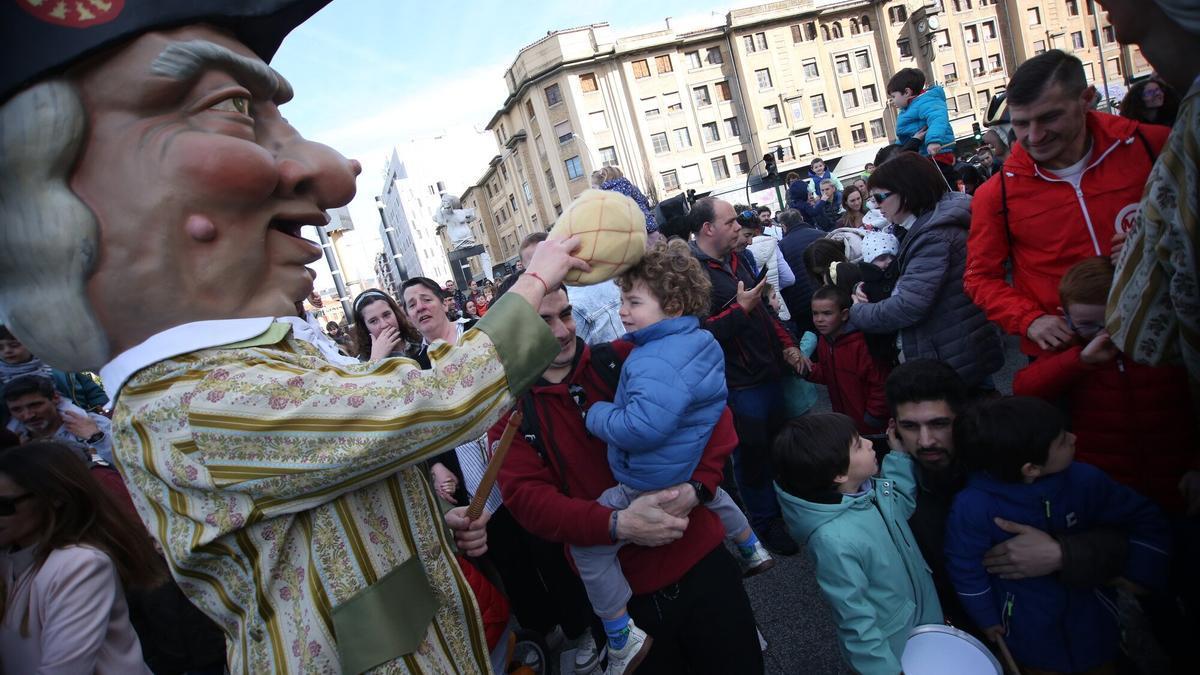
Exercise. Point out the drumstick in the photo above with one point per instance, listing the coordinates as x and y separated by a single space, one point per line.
1010 664
493 468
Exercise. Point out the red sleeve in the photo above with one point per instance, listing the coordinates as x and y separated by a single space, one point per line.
111 481
1051 374
784 336
987 251
711 469
533 495
727 323
1156 135
874 377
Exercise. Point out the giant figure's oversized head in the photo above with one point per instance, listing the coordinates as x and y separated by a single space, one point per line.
147 178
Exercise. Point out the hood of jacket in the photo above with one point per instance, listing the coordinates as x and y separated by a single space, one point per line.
807 517
1046 487
952 210
1106 131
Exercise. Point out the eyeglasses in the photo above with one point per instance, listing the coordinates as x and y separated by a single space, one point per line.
1083 330
8 505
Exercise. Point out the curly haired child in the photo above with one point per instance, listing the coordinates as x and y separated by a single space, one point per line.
670 396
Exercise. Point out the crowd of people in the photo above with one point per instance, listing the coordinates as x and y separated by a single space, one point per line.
284 490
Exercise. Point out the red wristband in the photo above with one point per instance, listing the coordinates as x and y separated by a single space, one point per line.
537 276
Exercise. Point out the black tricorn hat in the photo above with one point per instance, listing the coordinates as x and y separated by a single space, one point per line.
41 37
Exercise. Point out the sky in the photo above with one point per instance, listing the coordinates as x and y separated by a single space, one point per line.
373 74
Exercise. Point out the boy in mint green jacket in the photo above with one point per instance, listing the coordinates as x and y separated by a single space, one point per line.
855 529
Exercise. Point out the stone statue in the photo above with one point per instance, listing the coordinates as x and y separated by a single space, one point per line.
457 222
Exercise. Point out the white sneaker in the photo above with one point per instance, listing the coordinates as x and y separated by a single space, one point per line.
587 657
628 658
755 561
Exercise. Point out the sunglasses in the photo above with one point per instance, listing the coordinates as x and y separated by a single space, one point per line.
8 505
880 197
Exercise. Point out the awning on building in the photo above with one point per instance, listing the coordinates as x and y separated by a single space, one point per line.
853 163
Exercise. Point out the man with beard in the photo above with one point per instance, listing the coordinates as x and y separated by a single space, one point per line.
925 398
34 403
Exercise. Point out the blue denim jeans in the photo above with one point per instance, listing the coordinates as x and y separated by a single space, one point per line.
757 416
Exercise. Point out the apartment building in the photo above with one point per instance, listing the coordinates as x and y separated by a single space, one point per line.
697 107
407 228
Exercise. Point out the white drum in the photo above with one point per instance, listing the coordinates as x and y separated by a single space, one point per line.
934 649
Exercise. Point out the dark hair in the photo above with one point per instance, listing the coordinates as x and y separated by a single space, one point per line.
533 239
907 78
838 295
819 256
6 334
1043 71
76 509
791 219
845 277
921 380
811 451
915 179
679 227
750 221
29 384
885 153
762 208
1003 435
1134 107
510 280
815 160
791 176
970 175
703 211
362 336
427 283
1087 282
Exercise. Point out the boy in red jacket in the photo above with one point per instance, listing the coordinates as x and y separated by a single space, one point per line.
845 365
1131 420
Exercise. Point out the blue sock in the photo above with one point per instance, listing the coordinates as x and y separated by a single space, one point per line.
617 630
748 545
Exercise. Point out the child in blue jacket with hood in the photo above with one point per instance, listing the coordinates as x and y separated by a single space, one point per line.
671 395
919 108
1021 456
855 529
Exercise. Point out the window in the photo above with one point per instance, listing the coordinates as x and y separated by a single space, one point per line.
1034 15
641 69
983 98
529 191
529 108
550 179
810 30
557 212
512 201
755 43
842 64
541 147
951 105
866 23
608 156
818 105
683 138
869 95
898 14
723 92
858 134
709 131
741 162
574 168
504 172
797 33
854 29
950 72
904 46
994 62
1095 38
598 120
972 33
1039 46
810 70
720 168
827 140
763 75
713 56
989 30
771 115
849 99
977 67
691 174
563 131
825 32
652 112
1077 40
700 96
660 143
662 63
587 82
942 39
1115 64
553 95
732 129
1110 34
837 30
693 60
797 105
803 144
964 102
1073 7
672 101
862 60
1090 69
670 180
877 130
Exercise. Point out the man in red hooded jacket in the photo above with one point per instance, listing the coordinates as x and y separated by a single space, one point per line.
1073 183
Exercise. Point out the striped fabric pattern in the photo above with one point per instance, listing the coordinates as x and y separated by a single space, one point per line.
280 485
473 459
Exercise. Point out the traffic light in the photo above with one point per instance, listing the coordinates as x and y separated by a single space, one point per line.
769 165
977 131
779 152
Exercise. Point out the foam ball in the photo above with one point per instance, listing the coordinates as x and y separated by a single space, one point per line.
612 232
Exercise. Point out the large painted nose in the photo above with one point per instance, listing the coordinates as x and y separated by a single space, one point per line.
310 170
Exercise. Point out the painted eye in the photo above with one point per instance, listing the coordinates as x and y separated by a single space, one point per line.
234 104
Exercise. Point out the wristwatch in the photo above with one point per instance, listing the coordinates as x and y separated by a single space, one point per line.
702 492
95 438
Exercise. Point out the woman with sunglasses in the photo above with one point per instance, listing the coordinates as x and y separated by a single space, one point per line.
381 329
934 317
67 552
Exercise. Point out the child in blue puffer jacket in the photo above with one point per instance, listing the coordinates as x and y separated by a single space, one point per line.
919 108
670 397
1021 454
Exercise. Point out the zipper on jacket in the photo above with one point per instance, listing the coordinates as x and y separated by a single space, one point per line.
1087 217
1006 611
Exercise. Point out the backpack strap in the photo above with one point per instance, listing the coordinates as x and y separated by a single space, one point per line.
1004 210
1146 144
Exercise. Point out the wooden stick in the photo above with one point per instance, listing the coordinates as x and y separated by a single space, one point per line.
1010 664
493 468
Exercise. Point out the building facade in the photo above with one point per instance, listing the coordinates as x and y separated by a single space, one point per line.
698 107
406 225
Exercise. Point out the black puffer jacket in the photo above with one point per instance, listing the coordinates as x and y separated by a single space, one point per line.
928 307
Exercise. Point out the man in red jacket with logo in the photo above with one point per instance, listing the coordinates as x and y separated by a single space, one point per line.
1073 183
688 592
